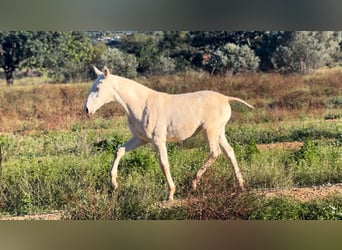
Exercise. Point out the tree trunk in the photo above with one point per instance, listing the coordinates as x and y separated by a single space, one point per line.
9 74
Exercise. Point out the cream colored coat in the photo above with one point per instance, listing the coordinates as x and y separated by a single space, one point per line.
160 117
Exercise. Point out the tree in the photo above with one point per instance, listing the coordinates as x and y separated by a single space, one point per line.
175 48
145 48
119 62
63 55
266 45
12 51
232 58
306 50
163 65
69 56
203 43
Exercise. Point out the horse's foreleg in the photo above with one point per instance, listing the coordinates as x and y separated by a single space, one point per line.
128 146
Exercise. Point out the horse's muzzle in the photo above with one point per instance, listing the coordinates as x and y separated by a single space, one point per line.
86 109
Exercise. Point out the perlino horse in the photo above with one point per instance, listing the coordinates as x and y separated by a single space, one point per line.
160 117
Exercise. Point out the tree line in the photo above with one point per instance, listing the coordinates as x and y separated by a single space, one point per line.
68 56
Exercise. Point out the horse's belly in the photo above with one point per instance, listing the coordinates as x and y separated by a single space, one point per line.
180 133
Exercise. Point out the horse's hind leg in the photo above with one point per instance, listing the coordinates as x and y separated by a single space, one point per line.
230 155
214 153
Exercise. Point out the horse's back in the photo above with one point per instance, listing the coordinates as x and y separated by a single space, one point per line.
184 115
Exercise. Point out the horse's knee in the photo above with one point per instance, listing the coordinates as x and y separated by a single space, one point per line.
120 152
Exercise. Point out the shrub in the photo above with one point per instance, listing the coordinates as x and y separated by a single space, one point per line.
305 50
120 63
109 145
163 65
232 58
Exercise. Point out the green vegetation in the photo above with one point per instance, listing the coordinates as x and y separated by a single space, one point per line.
54 157
69 171
69 56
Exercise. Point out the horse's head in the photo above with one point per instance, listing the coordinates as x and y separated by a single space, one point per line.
100 92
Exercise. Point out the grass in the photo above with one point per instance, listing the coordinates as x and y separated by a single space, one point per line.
68 171
276 98
56 158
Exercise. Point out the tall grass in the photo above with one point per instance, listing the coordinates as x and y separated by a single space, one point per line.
46 107
70 171
54 157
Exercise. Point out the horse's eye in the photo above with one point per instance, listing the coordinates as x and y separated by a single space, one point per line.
98 86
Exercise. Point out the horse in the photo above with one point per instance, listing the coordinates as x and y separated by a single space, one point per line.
156 117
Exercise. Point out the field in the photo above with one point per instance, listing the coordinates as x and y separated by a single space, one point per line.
56 158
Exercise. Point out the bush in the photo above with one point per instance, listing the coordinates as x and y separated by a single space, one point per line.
164 65
305 50
232 58
120 63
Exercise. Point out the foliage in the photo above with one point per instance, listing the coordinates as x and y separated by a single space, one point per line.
306 50
110 145
283 208
232 58
145 48
68 56
13 49
64 55
163 65
119 62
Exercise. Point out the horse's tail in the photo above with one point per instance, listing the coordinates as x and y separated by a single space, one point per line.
230 98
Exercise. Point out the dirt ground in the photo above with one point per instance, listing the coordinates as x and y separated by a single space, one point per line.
305 194
55 215
280 145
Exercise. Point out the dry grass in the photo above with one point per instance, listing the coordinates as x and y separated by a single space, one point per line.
41 107
68 170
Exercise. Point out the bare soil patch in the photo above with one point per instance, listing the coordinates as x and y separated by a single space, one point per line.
280 145
305 194
55 215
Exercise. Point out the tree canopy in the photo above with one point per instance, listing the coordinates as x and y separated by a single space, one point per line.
68 56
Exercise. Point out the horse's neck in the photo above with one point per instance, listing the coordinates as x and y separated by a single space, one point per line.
131 95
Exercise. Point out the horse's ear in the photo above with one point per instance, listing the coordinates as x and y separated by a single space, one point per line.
106 71
97 71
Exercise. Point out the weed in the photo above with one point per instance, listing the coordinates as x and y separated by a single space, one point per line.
317 163
109 145
283 208
140 160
